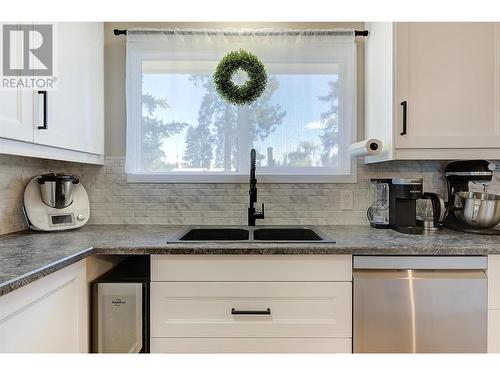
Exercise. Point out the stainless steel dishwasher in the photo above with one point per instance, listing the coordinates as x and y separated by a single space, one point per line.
420 304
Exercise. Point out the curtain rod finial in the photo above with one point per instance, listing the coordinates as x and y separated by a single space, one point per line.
119 32
361 33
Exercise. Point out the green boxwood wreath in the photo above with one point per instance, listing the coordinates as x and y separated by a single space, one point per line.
251 89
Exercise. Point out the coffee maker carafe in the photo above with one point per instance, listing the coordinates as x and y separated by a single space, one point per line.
378 212
431 211
403 196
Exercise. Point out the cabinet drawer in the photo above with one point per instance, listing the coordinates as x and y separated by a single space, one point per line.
494 282
231 309
251 268
250 345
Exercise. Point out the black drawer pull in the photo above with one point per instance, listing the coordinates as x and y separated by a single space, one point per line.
405 109
250 312
44 109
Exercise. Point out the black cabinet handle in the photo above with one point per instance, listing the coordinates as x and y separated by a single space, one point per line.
250 312
405 105
44 108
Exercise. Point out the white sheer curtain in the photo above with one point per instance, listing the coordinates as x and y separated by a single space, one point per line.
302 125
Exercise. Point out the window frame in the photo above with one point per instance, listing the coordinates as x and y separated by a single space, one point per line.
143 52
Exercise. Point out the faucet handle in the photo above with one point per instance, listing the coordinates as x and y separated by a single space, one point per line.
261 213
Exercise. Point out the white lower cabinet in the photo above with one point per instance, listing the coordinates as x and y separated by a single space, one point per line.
244 311
494 331
251 268
494 304
49 315
250 345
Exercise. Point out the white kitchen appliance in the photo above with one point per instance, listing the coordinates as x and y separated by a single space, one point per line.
55 202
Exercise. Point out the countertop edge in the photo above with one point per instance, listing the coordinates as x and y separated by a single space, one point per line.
27 278
38 273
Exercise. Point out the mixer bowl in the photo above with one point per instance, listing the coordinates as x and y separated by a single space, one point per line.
57 190
481 210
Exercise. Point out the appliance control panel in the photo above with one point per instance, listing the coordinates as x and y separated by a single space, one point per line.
61 220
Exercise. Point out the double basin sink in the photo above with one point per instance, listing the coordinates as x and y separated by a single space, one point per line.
264 234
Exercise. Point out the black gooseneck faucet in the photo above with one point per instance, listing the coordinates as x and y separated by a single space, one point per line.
253 214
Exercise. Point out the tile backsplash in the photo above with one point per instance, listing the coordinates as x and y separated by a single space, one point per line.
114 201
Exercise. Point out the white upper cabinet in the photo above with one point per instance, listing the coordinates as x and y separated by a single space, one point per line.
16 106
16 115
436 95
448 73
65 123
74 112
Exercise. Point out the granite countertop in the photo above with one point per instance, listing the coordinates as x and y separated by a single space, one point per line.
27 256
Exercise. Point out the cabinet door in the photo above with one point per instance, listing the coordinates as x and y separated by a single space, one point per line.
493 303
48 316
448 73
494 331
75 114
494 282
16 115
16 106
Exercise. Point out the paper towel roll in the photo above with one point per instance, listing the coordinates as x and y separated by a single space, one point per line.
366 147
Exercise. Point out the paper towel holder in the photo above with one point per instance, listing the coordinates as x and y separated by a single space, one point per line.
366 147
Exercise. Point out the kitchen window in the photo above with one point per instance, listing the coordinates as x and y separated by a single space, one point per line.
180 130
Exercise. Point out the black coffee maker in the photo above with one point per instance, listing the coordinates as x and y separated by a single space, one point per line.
403 196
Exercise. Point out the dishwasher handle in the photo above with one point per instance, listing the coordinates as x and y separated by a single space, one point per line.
420 262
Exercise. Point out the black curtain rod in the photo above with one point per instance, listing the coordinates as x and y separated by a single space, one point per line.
356 32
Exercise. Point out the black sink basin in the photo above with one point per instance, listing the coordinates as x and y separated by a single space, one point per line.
286 234
216 234
247 234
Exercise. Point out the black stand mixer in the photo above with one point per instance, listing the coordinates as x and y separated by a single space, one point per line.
466 209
